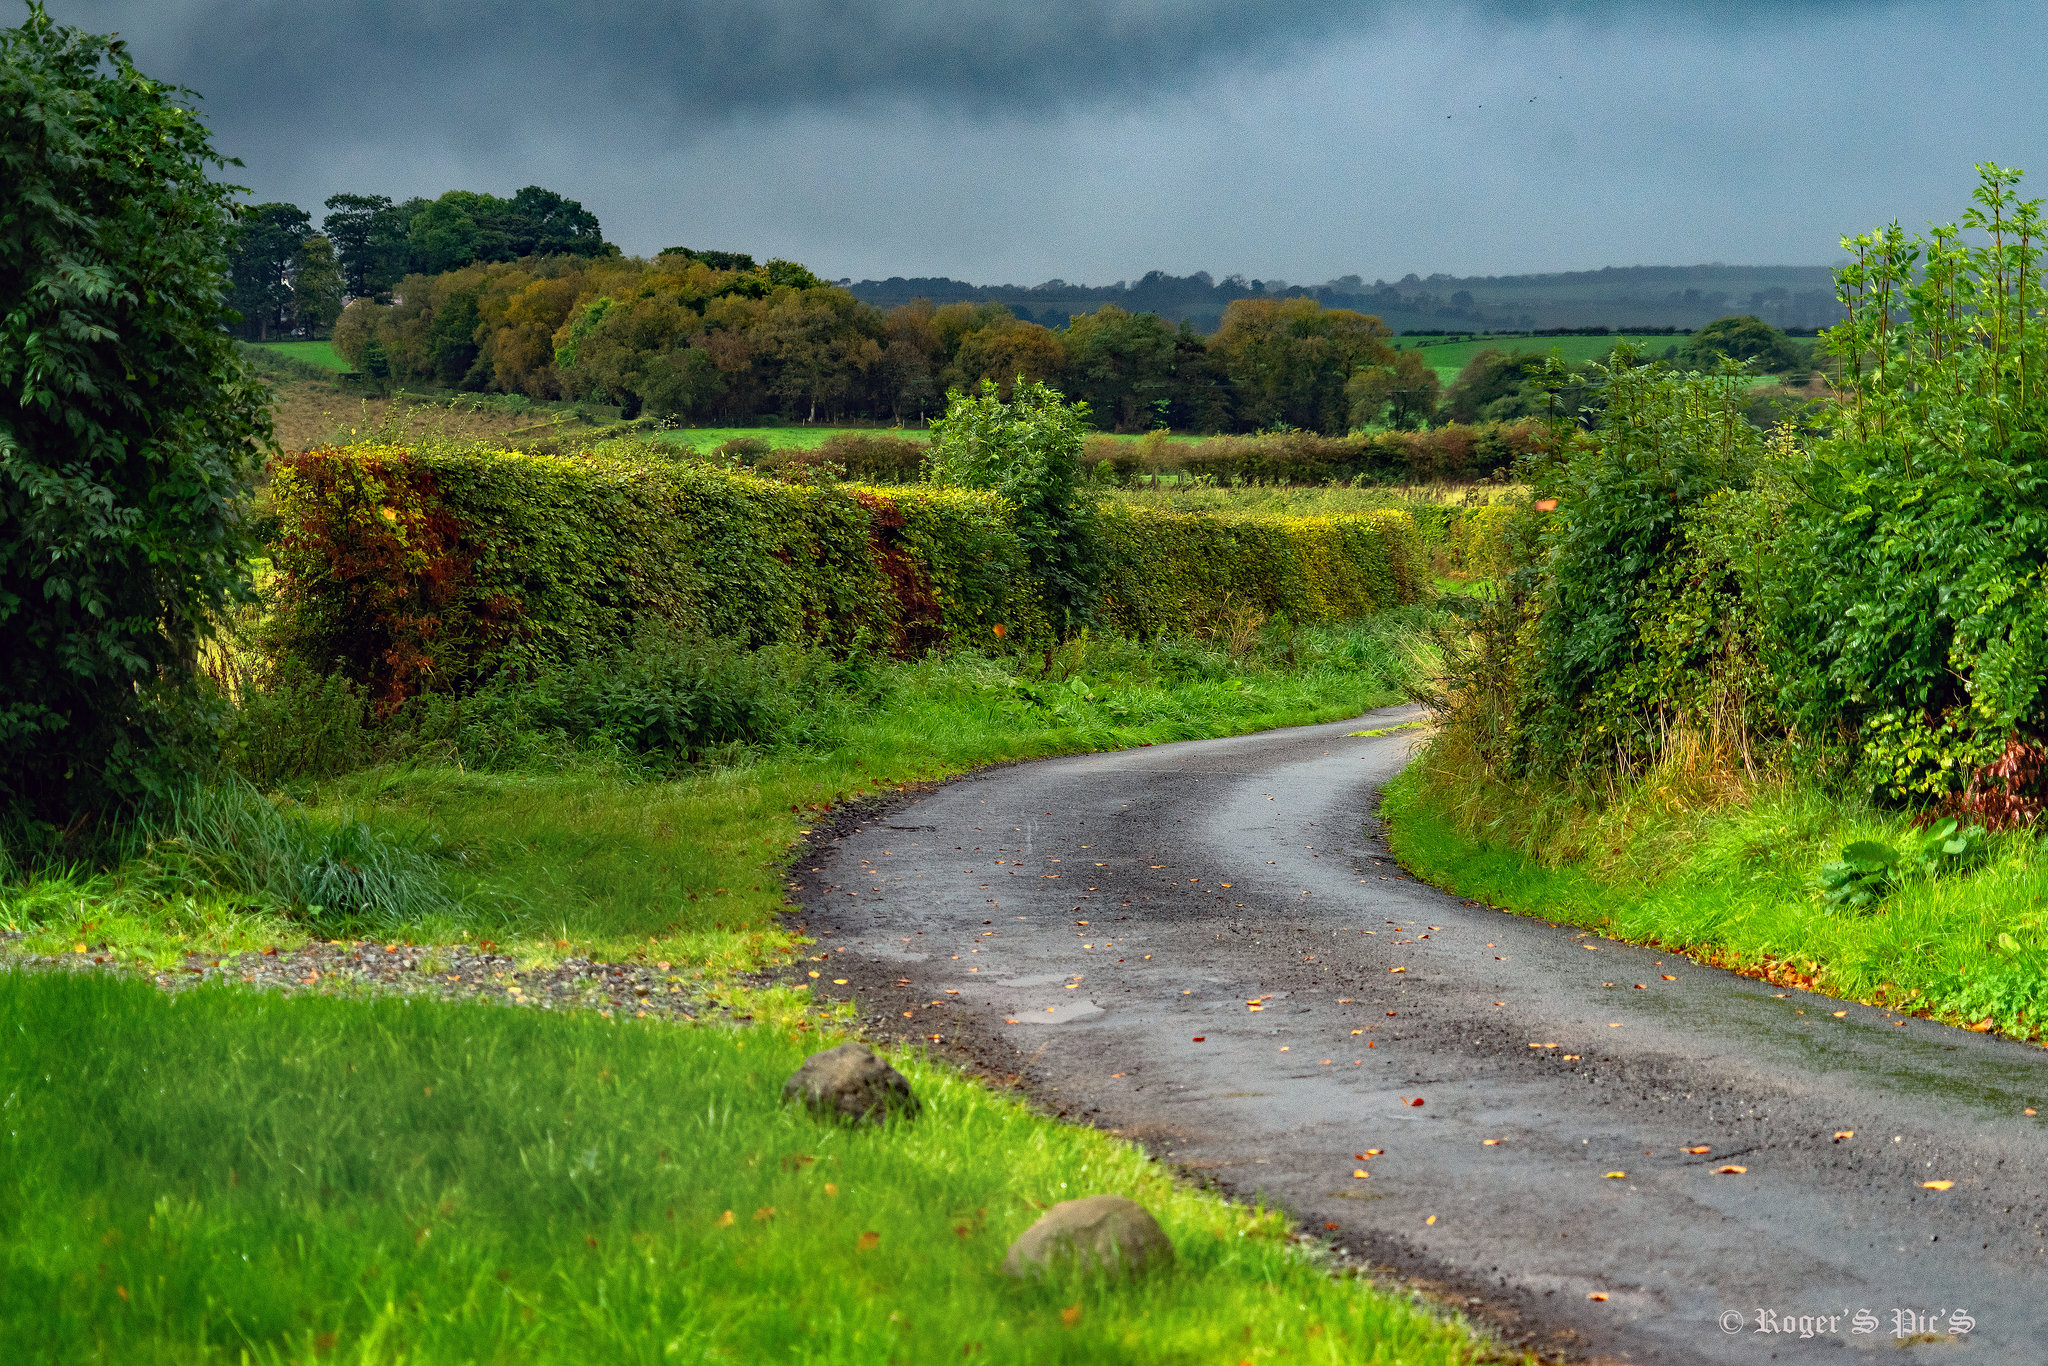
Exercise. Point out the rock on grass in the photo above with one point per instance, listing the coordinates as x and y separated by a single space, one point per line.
851 1083
1099 1232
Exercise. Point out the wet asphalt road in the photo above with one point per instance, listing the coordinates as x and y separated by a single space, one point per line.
1099 926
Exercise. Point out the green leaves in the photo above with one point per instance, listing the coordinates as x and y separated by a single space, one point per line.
1027 451
1868 871
128 428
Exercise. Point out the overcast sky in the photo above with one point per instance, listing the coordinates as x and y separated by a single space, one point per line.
1014 142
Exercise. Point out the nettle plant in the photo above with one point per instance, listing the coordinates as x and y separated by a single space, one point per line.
1922 622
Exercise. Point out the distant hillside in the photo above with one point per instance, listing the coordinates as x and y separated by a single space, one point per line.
1621 297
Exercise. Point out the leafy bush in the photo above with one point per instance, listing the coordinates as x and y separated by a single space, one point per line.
126 424
1027 451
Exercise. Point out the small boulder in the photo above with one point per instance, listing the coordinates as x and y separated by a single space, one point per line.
1105 1232
853 1084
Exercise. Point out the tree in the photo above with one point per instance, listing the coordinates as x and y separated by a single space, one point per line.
1289 360
545 224
1402 393
263 250
1744 338
128 427
316 286
1491 374
369 234
1028 451
1121 365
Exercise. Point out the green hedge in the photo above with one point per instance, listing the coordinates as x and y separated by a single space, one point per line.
415 570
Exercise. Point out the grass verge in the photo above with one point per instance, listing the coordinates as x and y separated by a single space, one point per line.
226 1176
549 850
1726 872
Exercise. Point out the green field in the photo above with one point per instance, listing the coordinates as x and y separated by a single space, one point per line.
318 353
228 1176
1447 358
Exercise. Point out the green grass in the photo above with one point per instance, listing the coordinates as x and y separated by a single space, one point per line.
590 854
1448 358
318 353
233 1177
1726 873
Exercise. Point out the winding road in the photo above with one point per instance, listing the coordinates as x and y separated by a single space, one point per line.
1207 948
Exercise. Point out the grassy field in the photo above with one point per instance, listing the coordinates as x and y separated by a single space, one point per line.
231 1177
1725 872
1448 358
318 353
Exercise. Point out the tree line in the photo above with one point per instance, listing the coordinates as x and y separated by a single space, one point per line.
712 336
287 278
700 336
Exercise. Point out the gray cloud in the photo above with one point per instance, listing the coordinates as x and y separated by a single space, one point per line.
1097 140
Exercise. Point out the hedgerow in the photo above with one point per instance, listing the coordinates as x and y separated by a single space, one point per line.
414 570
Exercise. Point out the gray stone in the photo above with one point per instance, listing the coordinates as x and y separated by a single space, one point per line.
852 1084
1105 1232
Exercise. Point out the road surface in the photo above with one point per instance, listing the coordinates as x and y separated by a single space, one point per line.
1101 928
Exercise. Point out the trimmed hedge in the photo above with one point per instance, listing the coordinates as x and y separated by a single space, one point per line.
419 570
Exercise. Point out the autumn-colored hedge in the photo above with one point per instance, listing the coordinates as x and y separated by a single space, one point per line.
416 569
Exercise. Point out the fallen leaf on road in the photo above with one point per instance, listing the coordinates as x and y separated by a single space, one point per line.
1571 1057
1374 1152
1730 1170
1703 1148
1590 948
1430 1220
1844 1133
1329 1226
1397 969
1641 987
1360 1174
1840 1014
1490 1142
1982 1026
1358 1031
841 981
1008 1020
1199 1038
1416 1101
1597 1295
1667 976
1617 1176
1937 1185
1542 1045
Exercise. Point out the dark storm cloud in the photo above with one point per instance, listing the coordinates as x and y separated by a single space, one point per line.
395 61
1304 139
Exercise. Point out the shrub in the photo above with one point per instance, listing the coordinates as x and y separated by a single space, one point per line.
1027 451
126 424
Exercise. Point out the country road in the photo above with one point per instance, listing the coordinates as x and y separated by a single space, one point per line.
1206 947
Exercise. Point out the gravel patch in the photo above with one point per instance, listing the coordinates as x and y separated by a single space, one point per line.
450 971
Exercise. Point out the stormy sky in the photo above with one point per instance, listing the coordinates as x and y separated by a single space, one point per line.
1007 142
